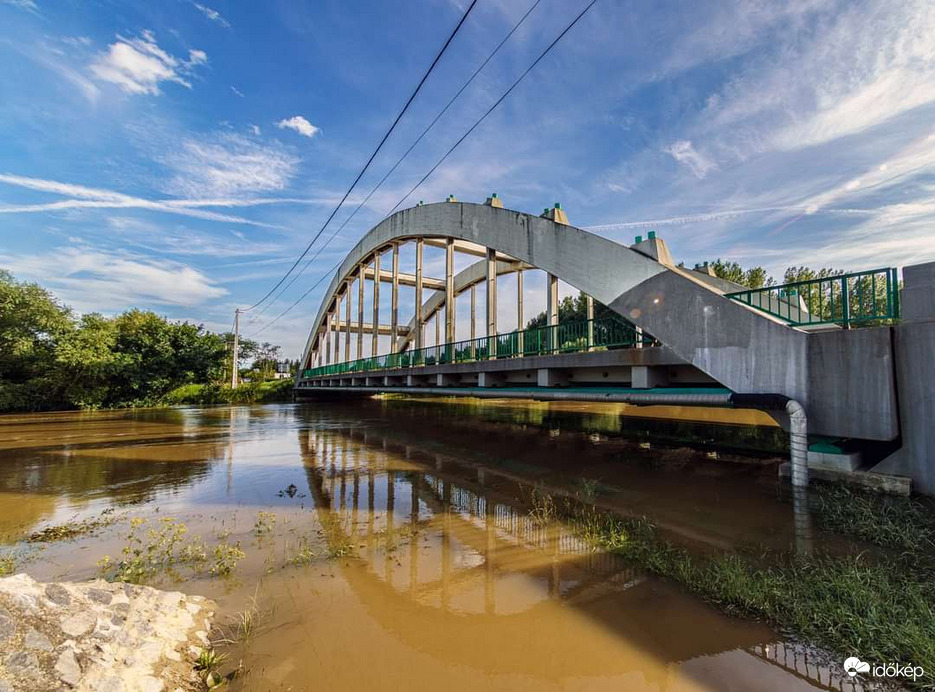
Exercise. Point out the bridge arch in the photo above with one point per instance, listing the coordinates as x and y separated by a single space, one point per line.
743 349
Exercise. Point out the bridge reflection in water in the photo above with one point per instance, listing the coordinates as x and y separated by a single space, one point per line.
451 564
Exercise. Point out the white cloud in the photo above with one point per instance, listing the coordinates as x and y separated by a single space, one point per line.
228 165
685 153
213 15
95 198
237 91
300 125
139 65
862 65
92 279
22 4
255 129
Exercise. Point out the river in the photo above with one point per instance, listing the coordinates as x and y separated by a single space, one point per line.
405 544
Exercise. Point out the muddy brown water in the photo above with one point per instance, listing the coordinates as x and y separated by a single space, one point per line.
399 547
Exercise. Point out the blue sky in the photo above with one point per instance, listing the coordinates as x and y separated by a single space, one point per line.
178 155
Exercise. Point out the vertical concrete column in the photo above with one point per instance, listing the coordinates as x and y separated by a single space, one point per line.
589 302
473 315
394 300
438 330
360 310
449 291
420 327
347 320
492 301
552 310
519 311
337 329
376 304
328 336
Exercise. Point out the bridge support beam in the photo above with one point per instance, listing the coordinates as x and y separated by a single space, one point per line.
347 320
519 310
360 310
647 377
420 327
551 312
490 379
394 300
337 332
328 336
492 301
450 291
551 377
375 343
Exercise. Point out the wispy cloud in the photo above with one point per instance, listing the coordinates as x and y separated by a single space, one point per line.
685 153
299 124
22 4
92 279
213 15
228 165
237 91
139 65
82 197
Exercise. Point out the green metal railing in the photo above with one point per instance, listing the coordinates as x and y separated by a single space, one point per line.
850 300
571 337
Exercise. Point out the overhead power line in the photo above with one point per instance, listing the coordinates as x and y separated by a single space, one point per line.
372 156
447 154
496 103
406 154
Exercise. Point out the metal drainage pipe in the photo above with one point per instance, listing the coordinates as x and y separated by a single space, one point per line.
798 428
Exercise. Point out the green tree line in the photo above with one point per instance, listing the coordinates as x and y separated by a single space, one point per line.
52 359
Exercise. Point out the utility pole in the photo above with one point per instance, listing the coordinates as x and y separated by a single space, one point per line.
235 353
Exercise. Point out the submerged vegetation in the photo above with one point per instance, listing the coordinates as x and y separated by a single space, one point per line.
883 609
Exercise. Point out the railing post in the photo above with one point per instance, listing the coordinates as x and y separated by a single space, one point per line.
589 302
845 303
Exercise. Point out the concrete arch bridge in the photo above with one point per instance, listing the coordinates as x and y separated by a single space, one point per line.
677 336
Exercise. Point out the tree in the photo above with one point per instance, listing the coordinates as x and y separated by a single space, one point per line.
755 277
31 323
267 358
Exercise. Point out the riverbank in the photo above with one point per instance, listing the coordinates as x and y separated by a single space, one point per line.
273 391
99 636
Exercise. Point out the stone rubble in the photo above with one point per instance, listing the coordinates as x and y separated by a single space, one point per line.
99 637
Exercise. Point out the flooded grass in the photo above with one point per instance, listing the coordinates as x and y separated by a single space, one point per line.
846 604
903 524
72 529
7 565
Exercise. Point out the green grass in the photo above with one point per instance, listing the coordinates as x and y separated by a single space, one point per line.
248 393
898 523
881 609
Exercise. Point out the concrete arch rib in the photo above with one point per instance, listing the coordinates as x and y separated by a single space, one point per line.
737 346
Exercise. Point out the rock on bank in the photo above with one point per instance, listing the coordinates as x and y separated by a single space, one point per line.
98 636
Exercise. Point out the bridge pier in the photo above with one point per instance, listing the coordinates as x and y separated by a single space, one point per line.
647 377
490 379
551 377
